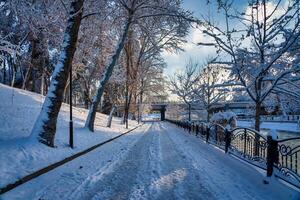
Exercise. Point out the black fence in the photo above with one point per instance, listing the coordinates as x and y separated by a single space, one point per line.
280 158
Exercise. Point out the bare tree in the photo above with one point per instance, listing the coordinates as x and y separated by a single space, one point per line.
256 45
210 89
182 84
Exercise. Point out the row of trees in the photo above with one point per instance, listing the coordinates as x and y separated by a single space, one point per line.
113 47
259 47
200 85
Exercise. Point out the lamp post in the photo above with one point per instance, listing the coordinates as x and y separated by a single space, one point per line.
189 112
71 117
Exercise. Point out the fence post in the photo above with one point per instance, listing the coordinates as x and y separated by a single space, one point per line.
193 128
227 139
216 134
272 154
197 129
207 134
245 141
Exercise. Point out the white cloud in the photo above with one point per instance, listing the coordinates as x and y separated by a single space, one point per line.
177 62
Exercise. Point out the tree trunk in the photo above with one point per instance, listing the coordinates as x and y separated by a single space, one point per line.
189 112
257 116
111 116
66 94
42 61
29 81
104 79
257 127
10 70
26 77
45 127
208 117
139 107
125 105
280 105
128 107
14 75
86 99
138 112
34 77
126 117
4 73
42 81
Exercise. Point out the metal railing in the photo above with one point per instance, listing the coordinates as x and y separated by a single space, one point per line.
249 144
288 159
278 157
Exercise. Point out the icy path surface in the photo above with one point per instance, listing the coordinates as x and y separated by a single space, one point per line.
157 161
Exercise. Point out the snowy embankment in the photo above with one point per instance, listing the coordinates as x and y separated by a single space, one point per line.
20 156
67 179
279 126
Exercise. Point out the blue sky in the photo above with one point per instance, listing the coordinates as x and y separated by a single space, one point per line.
177 61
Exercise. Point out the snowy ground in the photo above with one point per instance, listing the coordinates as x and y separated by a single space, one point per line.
156 161
19 156
280 126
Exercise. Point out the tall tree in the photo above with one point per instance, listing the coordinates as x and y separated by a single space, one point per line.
45 126
106 75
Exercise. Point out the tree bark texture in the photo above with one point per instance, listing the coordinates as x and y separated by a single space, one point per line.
45 126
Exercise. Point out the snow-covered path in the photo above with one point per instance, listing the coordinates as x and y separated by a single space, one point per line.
152 169
159 161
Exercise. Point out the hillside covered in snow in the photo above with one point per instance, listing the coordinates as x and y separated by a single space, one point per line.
21 154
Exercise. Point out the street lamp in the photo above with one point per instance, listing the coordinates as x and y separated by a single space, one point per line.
71 117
